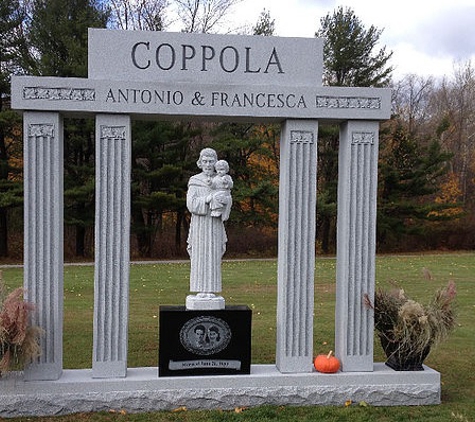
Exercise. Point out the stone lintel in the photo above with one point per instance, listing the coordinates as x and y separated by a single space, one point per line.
83 97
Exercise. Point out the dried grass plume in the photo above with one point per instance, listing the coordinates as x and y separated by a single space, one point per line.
19 341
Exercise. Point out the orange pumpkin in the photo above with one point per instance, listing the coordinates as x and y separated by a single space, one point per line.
327 364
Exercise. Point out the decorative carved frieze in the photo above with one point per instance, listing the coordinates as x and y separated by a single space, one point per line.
326 101
41 130
58 94
301 136
113 132
362 137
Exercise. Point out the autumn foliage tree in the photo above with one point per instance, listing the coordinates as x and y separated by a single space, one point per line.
435 114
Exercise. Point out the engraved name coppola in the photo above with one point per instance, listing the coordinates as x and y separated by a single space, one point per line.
228 59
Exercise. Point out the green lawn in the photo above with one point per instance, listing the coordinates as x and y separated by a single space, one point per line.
254 283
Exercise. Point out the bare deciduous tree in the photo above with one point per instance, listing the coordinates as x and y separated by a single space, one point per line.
203 16
144 15
411 96
453 106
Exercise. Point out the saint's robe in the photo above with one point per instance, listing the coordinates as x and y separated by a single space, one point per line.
206 239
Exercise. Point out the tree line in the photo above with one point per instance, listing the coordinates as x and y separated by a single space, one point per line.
426 169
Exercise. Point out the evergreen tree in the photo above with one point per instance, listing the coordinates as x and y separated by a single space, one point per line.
265 25
349 60
327 184
252 152
161 165
409 174
11 44
58 37
349 51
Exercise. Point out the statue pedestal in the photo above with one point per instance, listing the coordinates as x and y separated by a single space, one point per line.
210 342
204 302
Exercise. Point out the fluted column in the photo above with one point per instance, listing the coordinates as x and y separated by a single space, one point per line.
43 237
296 261
356 238
112 249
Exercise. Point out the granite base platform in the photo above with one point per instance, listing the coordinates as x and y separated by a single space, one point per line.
142 391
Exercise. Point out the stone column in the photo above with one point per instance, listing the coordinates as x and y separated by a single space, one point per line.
356 238
296 261
43 237
112 249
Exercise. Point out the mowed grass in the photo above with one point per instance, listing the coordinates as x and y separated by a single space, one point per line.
253 283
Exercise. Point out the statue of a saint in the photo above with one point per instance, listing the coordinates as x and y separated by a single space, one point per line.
209 203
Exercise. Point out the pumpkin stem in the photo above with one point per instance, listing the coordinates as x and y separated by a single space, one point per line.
329 354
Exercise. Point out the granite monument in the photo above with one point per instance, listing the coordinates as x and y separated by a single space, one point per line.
135 75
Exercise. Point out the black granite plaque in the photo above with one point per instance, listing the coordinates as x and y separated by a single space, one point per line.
214 342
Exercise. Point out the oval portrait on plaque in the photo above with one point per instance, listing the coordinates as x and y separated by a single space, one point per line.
205 335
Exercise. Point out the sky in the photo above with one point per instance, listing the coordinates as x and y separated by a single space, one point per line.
427 38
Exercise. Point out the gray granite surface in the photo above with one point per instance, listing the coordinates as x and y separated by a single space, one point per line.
142 391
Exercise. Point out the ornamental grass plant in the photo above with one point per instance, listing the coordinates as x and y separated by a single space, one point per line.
407 329
19 340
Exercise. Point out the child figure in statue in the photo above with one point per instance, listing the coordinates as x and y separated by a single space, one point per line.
222 183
